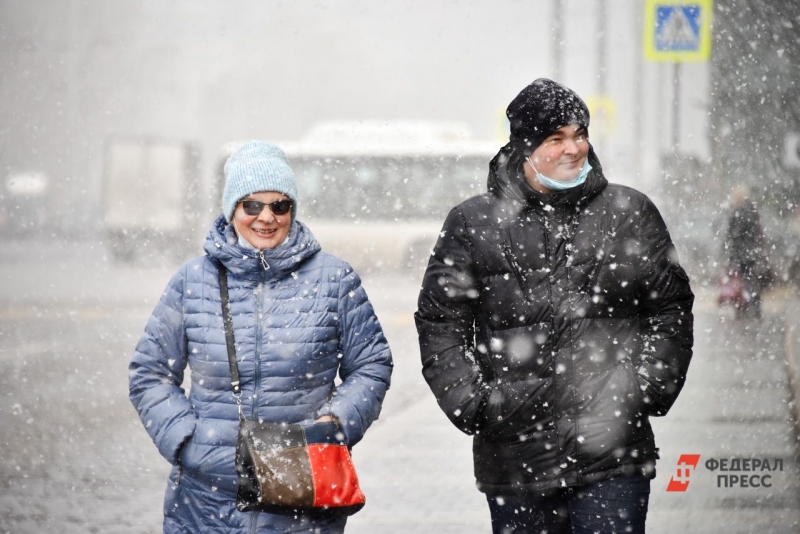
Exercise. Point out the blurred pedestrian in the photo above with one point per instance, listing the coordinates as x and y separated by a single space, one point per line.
554 321
793 249
299 317
745 248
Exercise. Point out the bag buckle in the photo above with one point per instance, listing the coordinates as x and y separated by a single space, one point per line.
237 394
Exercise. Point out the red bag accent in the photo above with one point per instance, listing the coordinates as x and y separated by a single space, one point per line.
329 464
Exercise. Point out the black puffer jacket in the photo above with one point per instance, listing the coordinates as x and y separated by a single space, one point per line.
552 326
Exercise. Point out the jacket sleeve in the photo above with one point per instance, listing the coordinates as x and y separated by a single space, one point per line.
668 322
445 320
366 366
155 374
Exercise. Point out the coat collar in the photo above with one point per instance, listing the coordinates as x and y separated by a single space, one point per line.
222 245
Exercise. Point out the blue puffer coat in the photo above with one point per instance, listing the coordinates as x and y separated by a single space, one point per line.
296 323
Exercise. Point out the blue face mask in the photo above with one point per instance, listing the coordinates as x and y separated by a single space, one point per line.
556 185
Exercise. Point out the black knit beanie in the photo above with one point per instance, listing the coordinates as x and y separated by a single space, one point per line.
540 109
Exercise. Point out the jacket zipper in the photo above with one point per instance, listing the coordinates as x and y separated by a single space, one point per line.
515 268
257 383
572 225
548 222
257 386
259 299
264 263
254 522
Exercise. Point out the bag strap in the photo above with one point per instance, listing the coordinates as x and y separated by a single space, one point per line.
227 322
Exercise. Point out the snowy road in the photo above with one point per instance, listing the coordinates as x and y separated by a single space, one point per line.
74 458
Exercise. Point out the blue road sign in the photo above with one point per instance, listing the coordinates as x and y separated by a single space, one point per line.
678 30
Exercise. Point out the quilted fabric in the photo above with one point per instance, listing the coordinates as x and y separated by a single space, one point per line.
300 317
552 327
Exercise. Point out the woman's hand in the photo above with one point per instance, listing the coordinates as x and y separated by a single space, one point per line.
327 419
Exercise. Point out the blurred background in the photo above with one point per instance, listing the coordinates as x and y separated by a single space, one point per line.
116 118
80 78
76 74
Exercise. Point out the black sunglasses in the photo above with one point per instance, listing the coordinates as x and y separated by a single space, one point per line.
254 207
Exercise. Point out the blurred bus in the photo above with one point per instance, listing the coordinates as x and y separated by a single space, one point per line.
376 193
150 188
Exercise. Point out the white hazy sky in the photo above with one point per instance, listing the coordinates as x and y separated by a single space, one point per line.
75 72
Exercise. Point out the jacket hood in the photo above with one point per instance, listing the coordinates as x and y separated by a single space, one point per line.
222 245
507 181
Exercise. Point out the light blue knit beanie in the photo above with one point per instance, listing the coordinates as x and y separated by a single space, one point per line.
257 166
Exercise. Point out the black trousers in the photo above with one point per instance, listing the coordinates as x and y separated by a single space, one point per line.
614 506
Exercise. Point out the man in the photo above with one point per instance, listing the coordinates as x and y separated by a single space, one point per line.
553 321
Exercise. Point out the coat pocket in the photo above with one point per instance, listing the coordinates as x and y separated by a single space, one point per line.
187 456
634 392
516 408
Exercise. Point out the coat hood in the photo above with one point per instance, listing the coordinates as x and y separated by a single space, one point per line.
507 181
222 245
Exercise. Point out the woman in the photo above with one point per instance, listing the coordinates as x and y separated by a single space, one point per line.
299 315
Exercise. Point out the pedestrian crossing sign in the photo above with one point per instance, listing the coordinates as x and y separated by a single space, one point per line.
677 30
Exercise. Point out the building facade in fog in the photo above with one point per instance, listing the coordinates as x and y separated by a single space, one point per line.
75 73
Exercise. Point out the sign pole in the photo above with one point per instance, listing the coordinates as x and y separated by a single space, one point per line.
639 88
676 107
602 85
558 32
676 31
